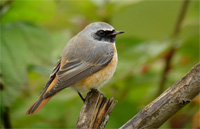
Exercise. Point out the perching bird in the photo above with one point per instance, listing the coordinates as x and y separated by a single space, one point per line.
87 62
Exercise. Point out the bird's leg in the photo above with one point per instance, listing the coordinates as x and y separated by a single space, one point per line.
81 96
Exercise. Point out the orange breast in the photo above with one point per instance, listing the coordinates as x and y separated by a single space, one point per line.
99 78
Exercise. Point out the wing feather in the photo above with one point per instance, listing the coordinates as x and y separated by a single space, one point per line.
52 76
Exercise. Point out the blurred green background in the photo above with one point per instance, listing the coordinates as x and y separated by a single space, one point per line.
33 34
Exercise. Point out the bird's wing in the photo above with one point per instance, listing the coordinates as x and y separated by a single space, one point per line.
52 76
78 67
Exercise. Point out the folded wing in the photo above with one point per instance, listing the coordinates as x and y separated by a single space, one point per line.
78 67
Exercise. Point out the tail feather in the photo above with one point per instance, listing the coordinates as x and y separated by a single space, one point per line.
38 105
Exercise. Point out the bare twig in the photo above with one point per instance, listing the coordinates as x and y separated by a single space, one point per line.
96 111
166 69
168 103
173 48
6 118
180 18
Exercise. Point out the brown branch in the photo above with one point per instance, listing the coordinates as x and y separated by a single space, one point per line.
95 112
6 118
180 18
168 103
172 50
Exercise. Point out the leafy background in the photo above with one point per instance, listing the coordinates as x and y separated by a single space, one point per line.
33 34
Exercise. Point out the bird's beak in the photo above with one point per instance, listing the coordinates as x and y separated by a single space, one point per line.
117 32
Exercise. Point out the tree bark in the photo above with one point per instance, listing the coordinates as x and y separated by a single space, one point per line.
168 103
95 112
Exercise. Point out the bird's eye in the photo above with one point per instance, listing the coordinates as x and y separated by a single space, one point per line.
101 33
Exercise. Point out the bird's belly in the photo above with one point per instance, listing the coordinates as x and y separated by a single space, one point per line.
98 79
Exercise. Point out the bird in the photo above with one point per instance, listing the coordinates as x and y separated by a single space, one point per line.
87 62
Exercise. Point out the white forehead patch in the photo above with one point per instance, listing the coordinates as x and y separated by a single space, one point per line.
99 26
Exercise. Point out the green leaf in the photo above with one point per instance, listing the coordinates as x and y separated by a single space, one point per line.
22 44
33 11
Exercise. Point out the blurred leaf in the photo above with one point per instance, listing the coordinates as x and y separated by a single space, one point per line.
33 11
22 44
137 53
149 20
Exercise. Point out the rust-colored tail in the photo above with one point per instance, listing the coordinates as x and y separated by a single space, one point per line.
39 103
35 107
